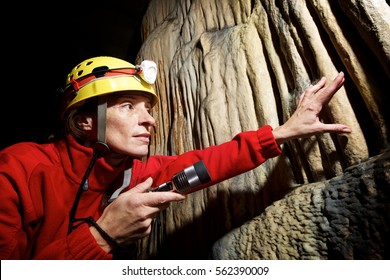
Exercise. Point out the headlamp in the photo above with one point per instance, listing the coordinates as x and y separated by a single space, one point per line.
148 71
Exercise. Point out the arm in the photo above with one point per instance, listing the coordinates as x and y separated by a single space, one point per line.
250 149
246 151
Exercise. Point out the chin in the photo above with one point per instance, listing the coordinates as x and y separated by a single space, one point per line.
132 153
139 154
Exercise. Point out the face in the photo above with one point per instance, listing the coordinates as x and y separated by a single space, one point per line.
129 124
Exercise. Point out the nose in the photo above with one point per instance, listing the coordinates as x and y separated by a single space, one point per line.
147 118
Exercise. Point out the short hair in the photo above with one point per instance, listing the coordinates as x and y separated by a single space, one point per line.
71 117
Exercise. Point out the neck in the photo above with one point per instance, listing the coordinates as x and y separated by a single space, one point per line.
115 159
112 158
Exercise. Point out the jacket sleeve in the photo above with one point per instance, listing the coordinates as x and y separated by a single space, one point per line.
246 151
20 217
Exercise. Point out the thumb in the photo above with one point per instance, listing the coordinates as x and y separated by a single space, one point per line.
143 187
336 128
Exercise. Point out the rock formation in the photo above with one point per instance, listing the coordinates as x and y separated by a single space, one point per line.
230 66
346 217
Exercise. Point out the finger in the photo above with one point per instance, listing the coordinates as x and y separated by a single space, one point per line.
336 83
158 201
316 87
311 90
336 128
160 198
142 187
328 92
159 206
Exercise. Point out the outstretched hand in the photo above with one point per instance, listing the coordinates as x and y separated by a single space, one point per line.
305 120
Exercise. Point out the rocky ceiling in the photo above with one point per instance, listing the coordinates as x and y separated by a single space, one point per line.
44 41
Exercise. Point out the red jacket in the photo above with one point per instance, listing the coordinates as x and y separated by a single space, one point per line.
39 182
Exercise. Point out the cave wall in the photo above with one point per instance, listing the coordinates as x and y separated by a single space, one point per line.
344 218
229 66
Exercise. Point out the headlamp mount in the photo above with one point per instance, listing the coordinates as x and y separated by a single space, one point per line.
147 71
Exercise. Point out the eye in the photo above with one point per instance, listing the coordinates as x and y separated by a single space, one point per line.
129 106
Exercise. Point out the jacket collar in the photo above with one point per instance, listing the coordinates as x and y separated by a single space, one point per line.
76 158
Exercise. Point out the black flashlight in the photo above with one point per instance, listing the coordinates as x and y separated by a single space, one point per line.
190 178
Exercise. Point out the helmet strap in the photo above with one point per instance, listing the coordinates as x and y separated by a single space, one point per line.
101 118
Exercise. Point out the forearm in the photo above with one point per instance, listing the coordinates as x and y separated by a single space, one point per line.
244 152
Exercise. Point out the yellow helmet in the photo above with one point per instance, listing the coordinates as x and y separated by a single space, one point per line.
104 75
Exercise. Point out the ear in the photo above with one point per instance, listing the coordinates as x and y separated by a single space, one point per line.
85 122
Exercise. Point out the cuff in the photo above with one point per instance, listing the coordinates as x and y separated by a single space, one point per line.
83 246
268 146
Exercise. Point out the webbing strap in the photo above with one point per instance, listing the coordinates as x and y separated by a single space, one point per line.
126 183
101 118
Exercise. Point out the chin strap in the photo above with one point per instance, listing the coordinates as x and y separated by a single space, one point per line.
101 118
101 137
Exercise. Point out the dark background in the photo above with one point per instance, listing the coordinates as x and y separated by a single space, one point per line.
43 42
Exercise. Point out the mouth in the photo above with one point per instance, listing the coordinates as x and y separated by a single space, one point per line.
144 137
